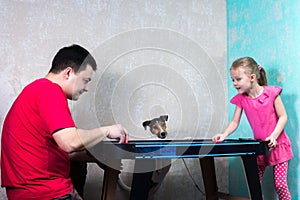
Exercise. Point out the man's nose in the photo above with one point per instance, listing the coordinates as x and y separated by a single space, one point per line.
86 88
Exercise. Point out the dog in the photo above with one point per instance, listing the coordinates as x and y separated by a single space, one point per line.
157 126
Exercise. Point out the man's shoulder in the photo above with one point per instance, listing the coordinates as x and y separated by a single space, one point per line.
43 83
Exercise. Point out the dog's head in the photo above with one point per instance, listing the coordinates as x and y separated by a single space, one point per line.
157 126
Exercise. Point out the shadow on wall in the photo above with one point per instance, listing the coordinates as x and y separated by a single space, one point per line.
275 77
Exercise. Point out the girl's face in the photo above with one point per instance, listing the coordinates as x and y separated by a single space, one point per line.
242 80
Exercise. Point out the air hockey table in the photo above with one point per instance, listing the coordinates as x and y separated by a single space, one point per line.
145 153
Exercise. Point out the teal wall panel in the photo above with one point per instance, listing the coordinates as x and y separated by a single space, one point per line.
268 31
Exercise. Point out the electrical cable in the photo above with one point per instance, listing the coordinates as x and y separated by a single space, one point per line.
193 180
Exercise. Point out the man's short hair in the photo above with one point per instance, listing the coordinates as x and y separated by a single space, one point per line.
73 56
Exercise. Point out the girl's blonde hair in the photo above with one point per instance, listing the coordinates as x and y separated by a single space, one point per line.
252 67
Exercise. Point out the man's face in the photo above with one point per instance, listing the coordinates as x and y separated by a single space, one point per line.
78 82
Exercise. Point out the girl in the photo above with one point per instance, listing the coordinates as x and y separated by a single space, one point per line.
267 117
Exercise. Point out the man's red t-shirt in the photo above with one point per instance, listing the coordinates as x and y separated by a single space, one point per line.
32 164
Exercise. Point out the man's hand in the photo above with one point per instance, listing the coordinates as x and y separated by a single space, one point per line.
117 132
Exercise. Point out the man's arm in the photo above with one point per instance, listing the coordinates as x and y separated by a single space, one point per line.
73 139
81 156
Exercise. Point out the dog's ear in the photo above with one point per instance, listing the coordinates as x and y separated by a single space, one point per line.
164 117
146 123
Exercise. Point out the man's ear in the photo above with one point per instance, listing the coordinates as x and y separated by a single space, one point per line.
67 72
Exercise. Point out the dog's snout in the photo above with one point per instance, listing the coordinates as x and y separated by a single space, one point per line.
163 135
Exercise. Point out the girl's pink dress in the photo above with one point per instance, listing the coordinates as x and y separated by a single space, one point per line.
261 114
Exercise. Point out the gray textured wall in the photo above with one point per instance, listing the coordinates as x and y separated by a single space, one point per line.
155 57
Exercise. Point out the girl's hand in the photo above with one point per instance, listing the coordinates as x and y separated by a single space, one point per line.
272 142
218 138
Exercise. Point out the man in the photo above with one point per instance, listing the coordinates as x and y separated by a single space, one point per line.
39 133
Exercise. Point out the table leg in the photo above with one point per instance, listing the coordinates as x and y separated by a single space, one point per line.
251 172
209 178
142 178
110 181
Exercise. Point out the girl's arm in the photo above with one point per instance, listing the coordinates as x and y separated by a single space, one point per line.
282 119
232 126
